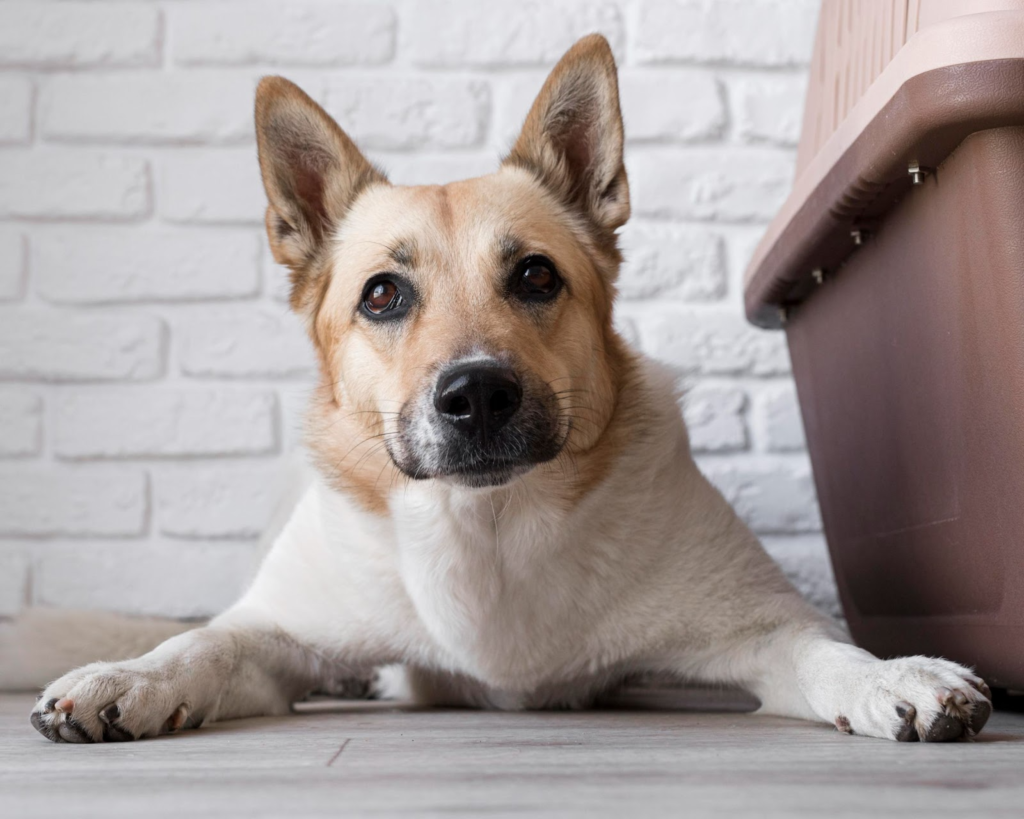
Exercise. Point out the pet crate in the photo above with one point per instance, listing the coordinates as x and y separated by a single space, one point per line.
896 268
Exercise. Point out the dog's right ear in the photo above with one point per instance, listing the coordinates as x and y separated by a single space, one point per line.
572 138
312 173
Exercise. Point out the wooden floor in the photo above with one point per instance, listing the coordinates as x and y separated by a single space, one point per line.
373 759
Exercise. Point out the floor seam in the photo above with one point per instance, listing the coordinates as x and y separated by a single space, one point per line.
332 760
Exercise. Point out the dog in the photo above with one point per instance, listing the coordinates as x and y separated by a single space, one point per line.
505 503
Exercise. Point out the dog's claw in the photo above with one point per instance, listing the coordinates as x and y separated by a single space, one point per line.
176 720
110 714
907 732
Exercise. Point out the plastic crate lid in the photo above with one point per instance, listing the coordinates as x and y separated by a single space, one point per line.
895 86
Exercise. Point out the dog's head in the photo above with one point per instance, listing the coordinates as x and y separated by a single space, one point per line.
463 331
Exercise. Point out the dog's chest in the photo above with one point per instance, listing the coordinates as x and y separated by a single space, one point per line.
498 593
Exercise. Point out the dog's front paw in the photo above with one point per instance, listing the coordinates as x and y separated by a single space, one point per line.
913 699
111 702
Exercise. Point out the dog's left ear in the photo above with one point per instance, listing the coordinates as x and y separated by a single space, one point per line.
572 137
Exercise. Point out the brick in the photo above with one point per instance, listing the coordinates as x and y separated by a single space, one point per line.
21 422
773 498
410 112
671 261
221 502
262 342
716 344
293 33
745 32
165 422
781 423
742 244
197 107
709 183
42 34
15 109
214 187
769 108
56 184
456 33
15 577
72 502
162 578
671 106
60 346
12 265
805 561
715 418
97 265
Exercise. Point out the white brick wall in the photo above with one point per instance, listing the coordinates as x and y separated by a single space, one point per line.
151 377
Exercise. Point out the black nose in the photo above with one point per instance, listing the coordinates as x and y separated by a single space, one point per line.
478 399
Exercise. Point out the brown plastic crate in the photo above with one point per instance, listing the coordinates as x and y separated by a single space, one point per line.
903 306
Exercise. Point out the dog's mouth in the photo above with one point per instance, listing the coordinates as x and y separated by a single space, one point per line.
474 469
485 473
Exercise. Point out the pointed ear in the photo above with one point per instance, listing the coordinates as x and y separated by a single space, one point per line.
572 137
312 173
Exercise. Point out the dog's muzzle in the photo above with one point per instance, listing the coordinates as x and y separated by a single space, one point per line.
481 423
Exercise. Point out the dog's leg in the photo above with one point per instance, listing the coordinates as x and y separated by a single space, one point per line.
804 668
231 668
906 699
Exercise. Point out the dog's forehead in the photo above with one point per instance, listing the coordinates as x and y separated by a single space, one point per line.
461 222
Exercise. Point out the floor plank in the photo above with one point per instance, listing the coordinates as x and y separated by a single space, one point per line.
375 759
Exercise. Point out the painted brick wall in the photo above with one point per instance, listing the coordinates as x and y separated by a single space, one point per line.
150 374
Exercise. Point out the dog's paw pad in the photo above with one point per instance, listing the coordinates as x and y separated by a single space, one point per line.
944 728
980 712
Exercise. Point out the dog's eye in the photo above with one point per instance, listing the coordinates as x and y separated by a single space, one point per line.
382 296
535 279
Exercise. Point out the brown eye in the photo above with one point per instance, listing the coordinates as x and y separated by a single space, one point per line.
536 279
380 297
383 297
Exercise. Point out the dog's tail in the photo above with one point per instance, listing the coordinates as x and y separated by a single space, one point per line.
41 644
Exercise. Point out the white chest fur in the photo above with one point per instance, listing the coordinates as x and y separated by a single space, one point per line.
495 579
